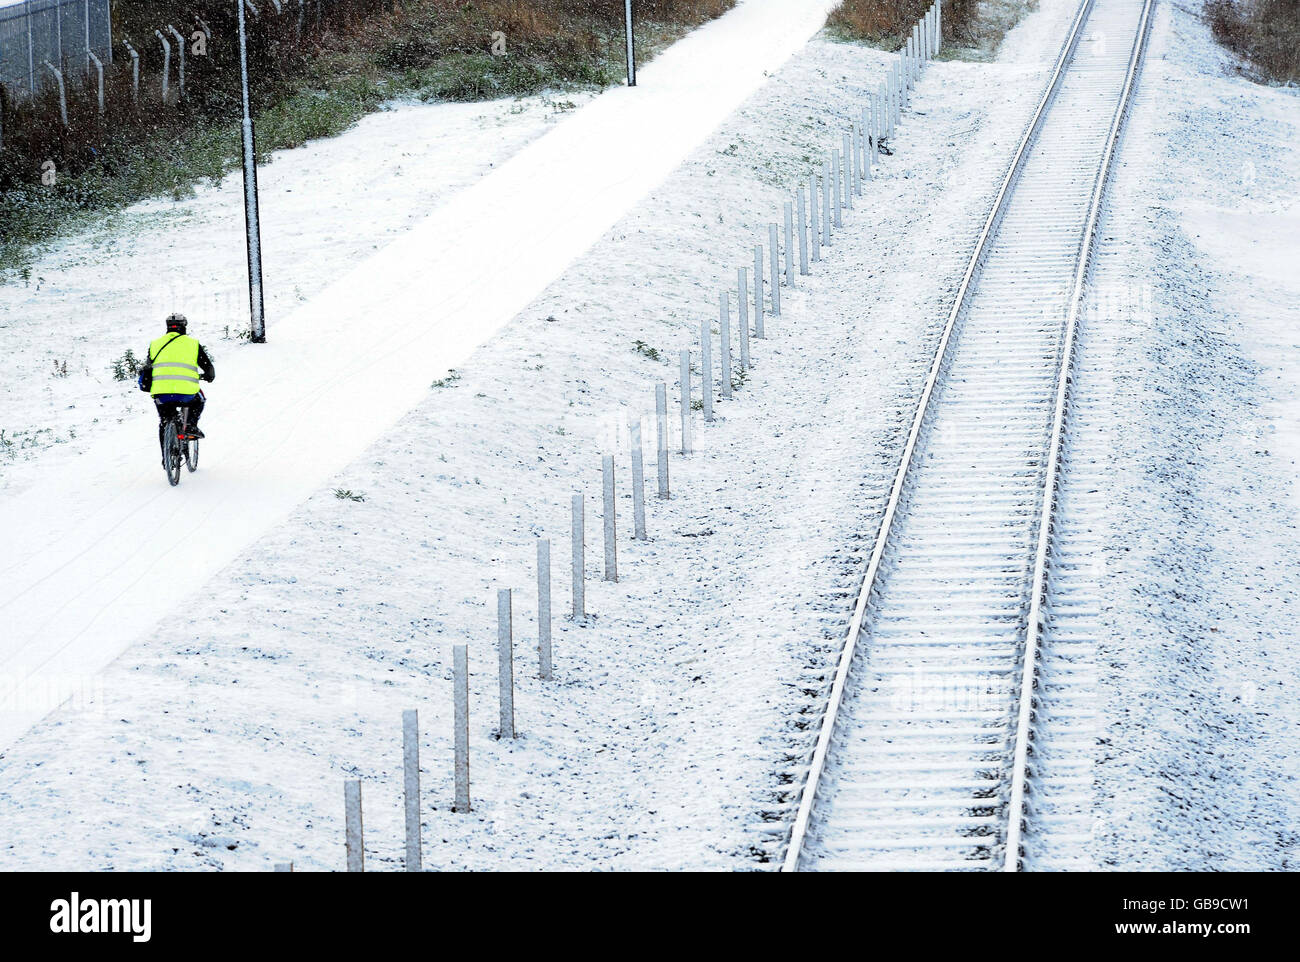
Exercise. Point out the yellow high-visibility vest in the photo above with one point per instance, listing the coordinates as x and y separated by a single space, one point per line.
175 360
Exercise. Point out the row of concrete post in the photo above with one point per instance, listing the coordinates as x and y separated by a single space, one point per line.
808 223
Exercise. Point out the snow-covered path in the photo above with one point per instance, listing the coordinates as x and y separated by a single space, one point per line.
84 573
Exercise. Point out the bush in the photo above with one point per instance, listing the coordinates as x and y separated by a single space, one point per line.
1264 33
126 367
309 82
880 21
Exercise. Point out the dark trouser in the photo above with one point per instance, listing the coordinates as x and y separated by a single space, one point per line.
168 408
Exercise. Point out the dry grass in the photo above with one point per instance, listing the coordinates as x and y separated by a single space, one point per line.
550 42
1264 33
309 84
888 21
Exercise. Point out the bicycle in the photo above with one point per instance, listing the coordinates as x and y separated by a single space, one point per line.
179 446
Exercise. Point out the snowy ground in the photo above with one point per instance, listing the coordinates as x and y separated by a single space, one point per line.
325 206
677 709
88 571
1192 351
669 737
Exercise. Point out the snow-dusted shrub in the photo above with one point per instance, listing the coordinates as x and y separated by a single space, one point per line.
890 20
1265 33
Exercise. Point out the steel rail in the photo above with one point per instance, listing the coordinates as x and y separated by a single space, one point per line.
1036 626
1001 200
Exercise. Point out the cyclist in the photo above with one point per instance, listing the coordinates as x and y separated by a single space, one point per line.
176 364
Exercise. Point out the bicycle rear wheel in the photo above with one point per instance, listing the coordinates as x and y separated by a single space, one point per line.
172 453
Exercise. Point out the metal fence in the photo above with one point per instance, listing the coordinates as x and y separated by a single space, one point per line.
62 32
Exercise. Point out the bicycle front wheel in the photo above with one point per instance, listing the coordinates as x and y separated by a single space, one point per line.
172 454
192 454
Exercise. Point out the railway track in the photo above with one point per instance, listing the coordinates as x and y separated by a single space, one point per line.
925 757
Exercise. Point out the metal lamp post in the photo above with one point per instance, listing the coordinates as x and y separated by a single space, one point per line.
250 197
631 54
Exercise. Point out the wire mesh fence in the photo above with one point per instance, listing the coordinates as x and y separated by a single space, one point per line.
63 33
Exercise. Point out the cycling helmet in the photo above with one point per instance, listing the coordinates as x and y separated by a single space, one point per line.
177 323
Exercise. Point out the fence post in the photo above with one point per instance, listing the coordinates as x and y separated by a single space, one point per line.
895 97
775 257
802 216
353 835
544 609
686 401
836 190
869 132
611 529
579 561
873 103
758 290
900 89
706 367
742 310
815 229
99 73
860 152
460 687
788 210
661 430
135 72
63 101
180 60
638 482
850 166
889 103
742 315
506 662
411 787
167 62
867 141
864 139
827 216
724 325
846 160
